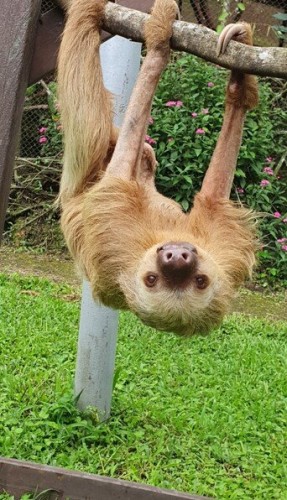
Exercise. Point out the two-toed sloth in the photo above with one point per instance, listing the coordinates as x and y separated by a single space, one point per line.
176 271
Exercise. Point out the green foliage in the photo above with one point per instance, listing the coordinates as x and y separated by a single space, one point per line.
281 29
186 131
271 200
204 415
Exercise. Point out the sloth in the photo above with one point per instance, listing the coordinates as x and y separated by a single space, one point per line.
140 252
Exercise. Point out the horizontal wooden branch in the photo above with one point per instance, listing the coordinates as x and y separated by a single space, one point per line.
197 40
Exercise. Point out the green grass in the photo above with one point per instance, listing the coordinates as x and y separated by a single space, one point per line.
204 415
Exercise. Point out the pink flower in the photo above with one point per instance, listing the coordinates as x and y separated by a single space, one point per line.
264 183
173 104
42 130
240 190
194 115
170 104
282 240
205 111
150 140
277 215
269 159
200 131
268 170
43 140
285 220
150 120
210 84
284 247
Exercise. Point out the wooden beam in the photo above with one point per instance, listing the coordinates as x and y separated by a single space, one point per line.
18 21
18 477
200 41
48 38
50 27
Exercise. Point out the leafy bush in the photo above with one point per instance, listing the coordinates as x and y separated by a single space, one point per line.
186 120
281 29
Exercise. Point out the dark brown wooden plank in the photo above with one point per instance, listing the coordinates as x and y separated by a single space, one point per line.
142 5
48 38
18 477
50 27
18 21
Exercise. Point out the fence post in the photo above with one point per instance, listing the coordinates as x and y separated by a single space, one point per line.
98 324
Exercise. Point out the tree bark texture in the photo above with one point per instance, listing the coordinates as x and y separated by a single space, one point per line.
197 40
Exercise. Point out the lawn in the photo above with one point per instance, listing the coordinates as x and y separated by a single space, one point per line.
205 415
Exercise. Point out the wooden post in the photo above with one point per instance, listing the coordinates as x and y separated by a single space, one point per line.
18 22
98 324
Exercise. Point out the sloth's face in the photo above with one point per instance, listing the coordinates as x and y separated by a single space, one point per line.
177 287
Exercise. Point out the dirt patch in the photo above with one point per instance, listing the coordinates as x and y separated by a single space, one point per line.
54 267
266 305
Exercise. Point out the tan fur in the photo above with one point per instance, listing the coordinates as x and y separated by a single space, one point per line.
242 89
241 96
86 111
115 222
158 28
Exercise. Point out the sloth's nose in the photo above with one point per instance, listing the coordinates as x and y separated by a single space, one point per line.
177 262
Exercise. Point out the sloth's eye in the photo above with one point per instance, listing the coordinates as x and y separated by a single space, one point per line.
150 280
201 281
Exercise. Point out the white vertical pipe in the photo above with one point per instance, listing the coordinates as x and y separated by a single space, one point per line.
120 61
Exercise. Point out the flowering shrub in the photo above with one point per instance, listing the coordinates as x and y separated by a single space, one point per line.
50 128
184 126
271 199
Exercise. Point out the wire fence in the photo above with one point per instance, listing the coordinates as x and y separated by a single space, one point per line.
214 13
46 6
36 109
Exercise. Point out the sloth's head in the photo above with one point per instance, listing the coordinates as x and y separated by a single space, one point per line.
177 287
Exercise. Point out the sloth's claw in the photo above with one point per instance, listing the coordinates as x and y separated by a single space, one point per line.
240 32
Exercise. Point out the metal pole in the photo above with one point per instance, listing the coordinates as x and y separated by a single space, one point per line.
98 324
